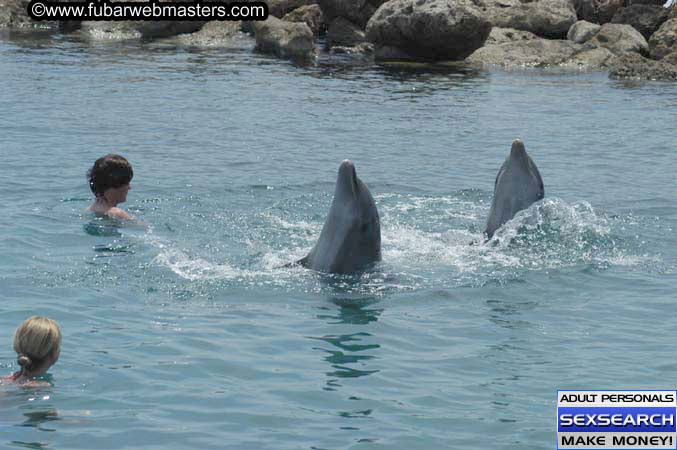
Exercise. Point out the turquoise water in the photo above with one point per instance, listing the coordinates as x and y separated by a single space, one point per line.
184 333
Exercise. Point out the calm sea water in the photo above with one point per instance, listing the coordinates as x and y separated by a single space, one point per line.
184 333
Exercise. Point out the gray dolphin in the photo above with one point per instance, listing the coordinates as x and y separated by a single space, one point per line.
351 236
518 185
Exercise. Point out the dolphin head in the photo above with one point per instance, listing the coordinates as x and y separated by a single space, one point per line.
351 236
518 153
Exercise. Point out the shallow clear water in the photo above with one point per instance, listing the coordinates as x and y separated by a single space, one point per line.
184 333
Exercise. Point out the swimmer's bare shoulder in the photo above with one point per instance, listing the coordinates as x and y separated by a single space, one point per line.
119 214
35 384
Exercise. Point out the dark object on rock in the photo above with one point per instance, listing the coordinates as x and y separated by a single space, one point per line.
582 31
664 41
546 18
533 53
284 39
597 11
344 33
619 39
429 29
644 18
310 14
635 66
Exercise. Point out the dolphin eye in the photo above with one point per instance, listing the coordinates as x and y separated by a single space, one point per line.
364 228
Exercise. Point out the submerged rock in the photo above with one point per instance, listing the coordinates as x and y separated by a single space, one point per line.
644 18
619 39
546 18
582 31
664 41
310 14
535 53
428 29
635 66
284 39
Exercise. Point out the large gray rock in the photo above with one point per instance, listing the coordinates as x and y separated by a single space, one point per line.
635 66
503 35
597 11
284 39
644 18
619 39
14 15
356 11
546 18
664 41
596 58
582 31
279 8
534 53
310 14
343 33
670 58
429 29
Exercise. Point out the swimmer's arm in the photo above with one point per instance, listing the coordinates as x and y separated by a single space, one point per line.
35 384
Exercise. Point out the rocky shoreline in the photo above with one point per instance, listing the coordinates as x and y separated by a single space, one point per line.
628 38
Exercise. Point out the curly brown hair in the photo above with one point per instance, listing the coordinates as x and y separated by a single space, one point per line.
110 171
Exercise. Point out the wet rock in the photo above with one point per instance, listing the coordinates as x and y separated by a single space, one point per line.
619 39
664 41
310 14
128 29
429 29
102 30
216 33
546 18
14 15
284 39
596 58
597 11
503 35
364 49
644 18
582 31
356 11
536 53
343 33
635 66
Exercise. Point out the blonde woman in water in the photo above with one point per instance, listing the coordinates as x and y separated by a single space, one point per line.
37 343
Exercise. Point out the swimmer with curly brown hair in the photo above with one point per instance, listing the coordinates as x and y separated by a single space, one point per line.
109 180
37 343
